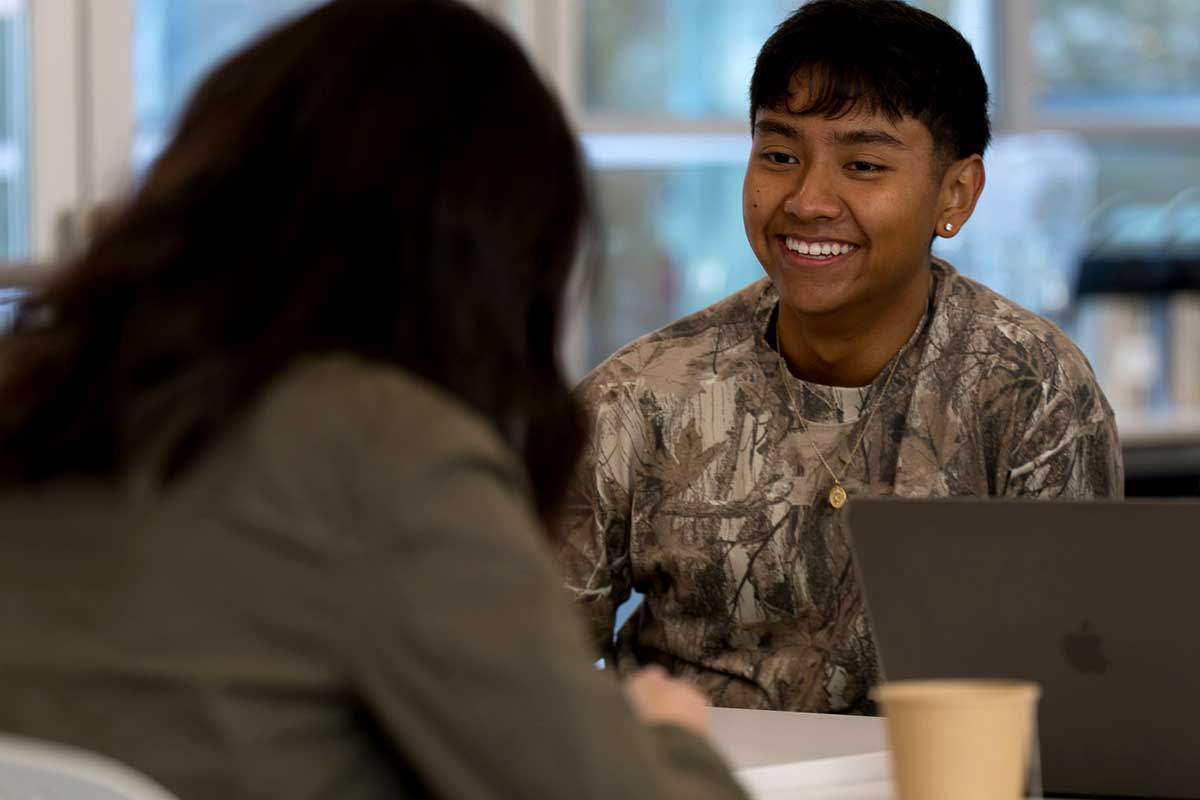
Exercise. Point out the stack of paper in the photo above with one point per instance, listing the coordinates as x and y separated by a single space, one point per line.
857 777
786 756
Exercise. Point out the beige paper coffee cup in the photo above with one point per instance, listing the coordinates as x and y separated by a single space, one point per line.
959 739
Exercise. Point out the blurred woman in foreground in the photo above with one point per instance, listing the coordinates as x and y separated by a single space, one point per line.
277 450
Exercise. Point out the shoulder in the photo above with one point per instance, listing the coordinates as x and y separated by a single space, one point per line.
687 351
983 325
346 419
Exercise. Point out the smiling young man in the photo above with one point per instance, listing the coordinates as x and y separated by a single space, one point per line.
725 445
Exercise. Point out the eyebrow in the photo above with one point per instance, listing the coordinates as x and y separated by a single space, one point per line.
771 126
868 136
858 137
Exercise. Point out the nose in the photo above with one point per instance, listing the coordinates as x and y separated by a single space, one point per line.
813 197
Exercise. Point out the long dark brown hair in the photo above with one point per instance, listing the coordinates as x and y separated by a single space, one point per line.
384 177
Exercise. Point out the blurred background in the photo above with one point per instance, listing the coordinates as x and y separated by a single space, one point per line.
1091 215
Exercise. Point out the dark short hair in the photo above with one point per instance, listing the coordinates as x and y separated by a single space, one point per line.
885 56
388 178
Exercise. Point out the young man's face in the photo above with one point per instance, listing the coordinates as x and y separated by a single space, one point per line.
840 211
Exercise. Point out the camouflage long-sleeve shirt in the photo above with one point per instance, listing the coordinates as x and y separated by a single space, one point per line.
700 490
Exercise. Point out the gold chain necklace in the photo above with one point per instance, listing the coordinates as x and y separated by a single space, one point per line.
837 494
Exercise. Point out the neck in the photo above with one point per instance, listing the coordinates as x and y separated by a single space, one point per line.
843 349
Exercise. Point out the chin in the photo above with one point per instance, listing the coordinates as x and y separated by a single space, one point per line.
813 306
807 299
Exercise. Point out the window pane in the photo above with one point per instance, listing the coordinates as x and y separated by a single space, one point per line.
175 43
14 240
693 58
1118 58
1138 319
690 58
675 244
1140 171
1145 231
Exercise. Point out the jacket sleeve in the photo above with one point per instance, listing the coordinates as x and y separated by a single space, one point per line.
594 535
466 652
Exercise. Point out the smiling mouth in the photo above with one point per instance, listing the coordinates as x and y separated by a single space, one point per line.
815 251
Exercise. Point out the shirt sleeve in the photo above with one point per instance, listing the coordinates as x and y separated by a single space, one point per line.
1067 445
466 652
594 531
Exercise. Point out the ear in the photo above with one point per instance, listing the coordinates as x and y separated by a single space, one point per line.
961 186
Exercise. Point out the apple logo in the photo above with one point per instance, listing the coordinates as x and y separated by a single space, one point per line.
1083 649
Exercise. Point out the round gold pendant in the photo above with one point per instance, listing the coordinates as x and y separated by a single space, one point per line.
837 496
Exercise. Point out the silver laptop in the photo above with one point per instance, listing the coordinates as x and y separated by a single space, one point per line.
1098 602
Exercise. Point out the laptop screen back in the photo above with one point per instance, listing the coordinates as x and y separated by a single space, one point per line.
1098 602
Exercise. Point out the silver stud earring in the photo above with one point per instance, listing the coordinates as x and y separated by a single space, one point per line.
949 227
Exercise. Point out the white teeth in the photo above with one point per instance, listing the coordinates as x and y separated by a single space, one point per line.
817 249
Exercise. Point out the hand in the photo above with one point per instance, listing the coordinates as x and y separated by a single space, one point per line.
658 698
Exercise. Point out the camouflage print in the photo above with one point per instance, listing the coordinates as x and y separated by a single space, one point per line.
700 490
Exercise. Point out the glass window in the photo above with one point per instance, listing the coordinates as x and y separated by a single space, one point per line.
693 58
1145 229
687 58
175 43
675 244
1136 59
14 240
1146 170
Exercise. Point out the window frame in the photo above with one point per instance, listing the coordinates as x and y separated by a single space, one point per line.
80 114
78 122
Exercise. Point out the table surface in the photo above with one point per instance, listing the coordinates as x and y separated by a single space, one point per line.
847 756
761 738
780 755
